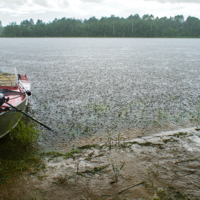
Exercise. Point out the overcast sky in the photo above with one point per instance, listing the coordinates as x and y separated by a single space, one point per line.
48 10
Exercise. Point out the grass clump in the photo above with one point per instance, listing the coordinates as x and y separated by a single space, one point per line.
18 152
116 171
96 169
89 146
179 134
14 166
71 153
53 154
25 134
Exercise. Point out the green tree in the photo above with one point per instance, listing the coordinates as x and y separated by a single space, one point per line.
113 26
1 28
192 27
12 30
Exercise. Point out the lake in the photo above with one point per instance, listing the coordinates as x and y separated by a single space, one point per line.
91 85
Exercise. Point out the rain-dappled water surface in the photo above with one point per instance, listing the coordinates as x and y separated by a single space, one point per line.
89 85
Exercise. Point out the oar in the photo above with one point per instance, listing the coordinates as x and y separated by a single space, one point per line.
18 110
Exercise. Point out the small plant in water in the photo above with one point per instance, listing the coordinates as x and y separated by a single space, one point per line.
198 115
118 139
116 171
109 143
120 113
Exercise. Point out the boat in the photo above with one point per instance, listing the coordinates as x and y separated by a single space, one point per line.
14 92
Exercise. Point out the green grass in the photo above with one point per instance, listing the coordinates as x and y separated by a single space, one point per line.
25 134
18 151
54 154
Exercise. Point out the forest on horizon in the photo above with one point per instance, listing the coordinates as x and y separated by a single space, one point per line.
132 26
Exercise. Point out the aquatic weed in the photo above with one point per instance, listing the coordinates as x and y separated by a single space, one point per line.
96 169
116 171
196 115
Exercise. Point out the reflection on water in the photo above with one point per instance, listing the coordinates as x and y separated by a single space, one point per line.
83 85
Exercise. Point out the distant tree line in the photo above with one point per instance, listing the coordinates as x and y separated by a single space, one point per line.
133 26
1 28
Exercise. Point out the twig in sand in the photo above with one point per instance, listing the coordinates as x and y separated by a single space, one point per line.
131 187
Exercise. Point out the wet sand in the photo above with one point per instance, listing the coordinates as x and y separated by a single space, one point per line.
160 166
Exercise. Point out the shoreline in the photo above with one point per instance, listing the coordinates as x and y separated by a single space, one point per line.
145 167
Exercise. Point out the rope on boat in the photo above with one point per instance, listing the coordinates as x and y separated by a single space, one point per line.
7 92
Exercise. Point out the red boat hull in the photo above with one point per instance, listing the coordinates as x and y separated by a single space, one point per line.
10 118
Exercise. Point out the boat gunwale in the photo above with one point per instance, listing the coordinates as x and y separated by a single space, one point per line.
3 113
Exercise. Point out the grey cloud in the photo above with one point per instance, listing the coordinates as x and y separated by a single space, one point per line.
44 3
65 3
92 1
176 1
12 2
41 2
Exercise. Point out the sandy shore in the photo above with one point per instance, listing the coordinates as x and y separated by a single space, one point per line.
159 166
